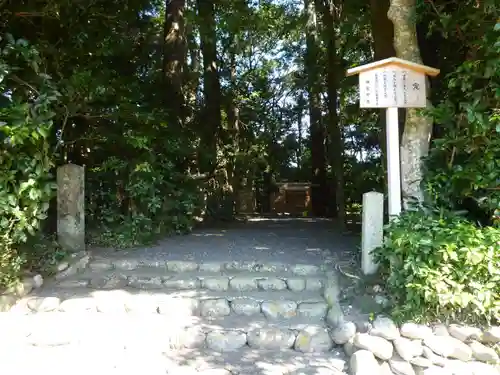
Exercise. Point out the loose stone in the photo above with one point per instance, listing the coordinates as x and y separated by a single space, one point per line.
448 346
145 282
78 305
407 349
415 331
483 353
313 340
279 309
270 338
126 264
464 333
363 362
491 335
344 333
215 307
314 284
385 327
217 284
440 330
243 283
210 267
349 348
379 346
245 306
111 282
44 304
421 362
305 269
181 266
431 356
296 284
401 367
335 315
312 310
182 283
271 284
226 341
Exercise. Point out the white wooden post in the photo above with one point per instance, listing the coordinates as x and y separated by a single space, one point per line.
393 163
372 229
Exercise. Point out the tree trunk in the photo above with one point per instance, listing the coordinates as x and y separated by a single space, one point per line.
336 153
211 85
418 129
318 191
174 58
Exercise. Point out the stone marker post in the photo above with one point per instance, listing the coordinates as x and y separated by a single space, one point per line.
71 207
372 229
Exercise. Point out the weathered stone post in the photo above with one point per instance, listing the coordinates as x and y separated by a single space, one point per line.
71 207
372 235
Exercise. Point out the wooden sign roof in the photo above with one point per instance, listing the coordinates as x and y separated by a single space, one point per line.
394 61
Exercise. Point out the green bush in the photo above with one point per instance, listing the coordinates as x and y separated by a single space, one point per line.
438 264
26 186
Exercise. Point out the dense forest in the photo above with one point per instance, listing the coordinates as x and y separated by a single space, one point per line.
179 108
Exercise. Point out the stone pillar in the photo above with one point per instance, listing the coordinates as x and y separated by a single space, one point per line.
71 207
372 234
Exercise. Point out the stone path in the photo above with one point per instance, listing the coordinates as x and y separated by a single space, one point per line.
257 298
263 298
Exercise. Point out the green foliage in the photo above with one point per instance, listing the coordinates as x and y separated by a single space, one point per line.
26 185
465 161
439 265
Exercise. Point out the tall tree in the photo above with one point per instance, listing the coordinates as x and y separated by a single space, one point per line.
418 128
211 115
328 10
312 56
174 57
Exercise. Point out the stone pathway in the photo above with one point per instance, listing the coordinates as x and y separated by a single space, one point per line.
262 298
256 298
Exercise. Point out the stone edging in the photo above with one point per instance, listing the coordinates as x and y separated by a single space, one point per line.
10 296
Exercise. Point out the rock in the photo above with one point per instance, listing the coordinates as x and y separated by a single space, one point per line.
271 283
210 267
108 282
379 346
296 284
73 283
448 346
491 335
483 353
457 367
80 304
415 331
440 330
464 333
312 309
401 367
145 282
181 266
226 341
215 307
313 340
335 315
421 362
363 362
385 369
436 371
100 265
270 338
305 269
21 288
279 309
37 281
243 283
314 284
344 333
181 282
381 300
431 356
363 326
62 266
245 306
349 348
407 349
385 327
44 304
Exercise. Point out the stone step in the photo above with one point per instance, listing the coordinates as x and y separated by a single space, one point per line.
157 278
160 333
270 304
64 359
131 263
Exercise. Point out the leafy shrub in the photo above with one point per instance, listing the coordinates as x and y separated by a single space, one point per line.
26 185
440 265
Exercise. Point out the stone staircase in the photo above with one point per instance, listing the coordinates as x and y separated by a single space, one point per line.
230 308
